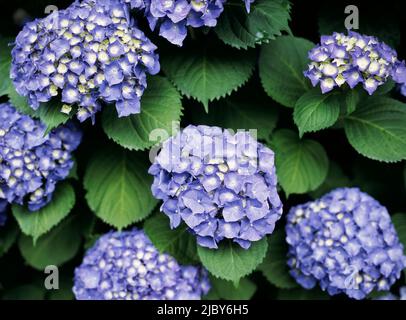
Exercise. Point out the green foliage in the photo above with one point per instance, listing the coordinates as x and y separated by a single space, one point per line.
274 267
239 112
335 179
377 129
178 243
35 224
161 106
54 248
222 289
301 165
118 187
8 235
281 67
315 111
230 261
266 20
200 72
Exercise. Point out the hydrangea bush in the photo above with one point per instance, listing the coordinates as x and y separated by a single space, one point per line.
202 149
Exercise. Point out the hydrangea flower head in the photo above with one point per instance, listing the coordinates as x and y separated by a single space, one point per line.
90 52
222 185
31 163
351 59
345 242
172 17
126 266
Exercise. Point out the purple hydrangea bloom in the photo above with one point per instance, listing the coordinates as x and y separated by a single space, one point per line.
391 296
345 242
3 212
88 53
222 185
352 59
32 162
172 17
127 266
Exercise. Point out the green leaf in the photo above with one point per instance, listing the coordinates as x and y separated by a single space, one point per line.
315 111
399 221
54 248
351 101
8 235
207 74
118 187
335 179
301 165
25 292
230 261
266 20
20 102
281 66
274 267
51 115
40 222
302 294
222 289
178 243
377 129
242 112
160 107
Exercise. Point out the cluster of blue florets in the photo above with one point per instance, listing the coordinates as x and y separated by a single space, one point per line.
345 242
353 59
222 185
127 266
32 162
172 17
90 52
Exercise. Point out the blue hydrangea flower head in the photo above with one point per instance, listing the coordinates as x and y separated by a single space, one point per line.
351 59
345 242
32 162
89 53
126 266
172 17
221 185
